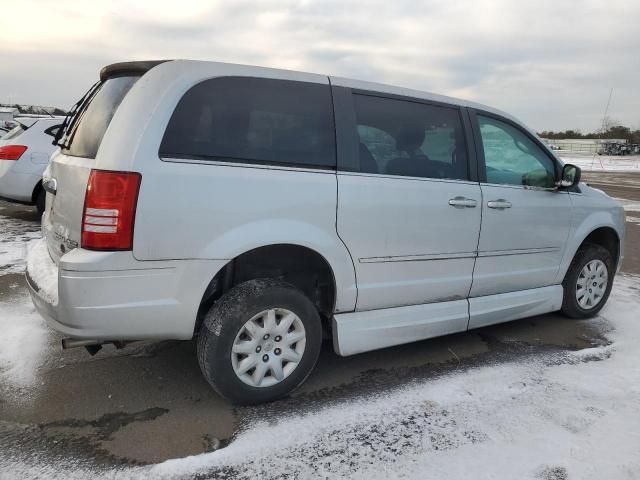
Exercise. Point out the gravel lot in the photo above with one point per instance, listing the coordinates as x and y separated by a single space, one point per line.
546 397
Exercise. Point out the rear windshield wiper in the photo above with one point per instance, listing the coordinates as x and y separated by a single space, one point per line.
71 119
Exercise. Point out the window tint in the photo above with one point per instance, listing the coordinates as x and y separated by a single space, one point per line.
253 119
512 158
95 118
406 138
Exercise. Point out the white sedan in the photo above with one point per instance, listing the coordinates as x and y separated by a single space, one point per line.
24 154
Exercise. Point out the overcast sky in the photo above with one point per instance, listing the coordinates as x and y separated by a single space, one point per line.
550 63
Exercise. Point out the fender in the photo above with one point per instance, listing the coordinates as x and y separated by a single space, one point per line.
583 227
263 233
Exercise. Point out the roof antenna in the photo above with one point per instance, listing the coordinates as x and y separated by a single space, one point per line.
604 119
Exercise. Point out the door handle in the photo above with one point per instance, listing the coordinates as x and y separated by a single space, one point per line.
500 204
462 202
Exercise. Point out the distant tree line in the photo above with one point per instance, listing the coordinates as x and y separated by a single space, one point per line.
610 129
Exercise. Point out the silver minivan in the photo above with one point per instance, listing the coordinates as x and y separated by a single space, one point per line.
260 210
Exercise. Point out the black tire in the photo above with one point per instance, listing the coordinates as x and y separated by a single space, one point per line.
584 255
227 317
41 198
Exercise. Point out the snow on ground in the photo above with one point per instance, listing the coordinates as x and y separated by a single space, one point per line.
551 416
23 341
575 413
15 236
23 335
602 163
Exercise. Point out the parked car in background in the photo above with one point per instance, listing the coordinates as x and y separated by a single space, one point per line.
24 154
259 210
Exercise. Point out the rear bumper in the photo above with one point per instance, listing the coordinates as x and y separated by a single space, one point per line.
158 302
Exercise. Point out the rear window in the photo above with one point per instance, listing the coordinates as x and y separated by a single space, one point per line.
14 132
254 120
96 116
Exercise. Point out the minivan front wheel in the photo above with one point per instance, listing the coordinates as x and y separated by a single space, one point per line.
259 341
588 282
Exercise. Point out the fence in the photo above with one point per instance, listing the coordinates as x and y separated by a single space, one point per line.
592 146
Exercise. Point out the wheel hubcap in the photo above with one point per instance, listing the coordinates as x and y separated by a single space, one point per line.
268 347
592 284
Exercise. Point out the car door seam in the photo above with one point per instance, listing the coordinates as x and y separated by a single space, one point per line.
475 260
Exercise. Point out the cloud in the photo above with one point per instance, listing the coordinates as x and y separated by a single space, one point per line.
550 63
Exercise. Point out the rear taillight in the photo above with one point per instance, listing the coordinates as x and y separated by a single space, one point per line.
12 152
110 210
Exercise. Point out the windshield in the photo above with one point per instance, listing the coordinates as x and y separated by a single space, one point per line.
84 134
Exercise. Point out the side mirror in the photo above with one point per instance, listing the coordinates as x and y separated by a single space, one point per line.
570 176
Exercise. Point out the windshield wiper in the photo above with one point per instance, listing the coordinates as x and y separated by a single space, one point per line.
71 119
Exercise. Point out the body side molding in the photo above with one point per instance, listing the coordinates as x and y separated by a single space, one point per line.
505 307
358 332
370 330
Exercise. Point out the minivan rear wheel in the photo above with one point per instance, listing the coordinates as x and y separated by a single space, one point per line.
588 282
260 341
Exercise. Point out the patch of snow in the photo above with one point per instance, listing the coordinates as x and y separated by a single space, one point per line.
15 237
558 415
23 343
514 420
578 412
602 163
43 271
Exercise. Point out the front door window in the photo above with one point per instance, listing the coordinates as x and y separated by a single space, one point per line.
512 158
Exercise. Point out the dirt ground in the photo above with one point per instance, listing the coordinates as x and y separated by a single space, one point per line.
148 402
